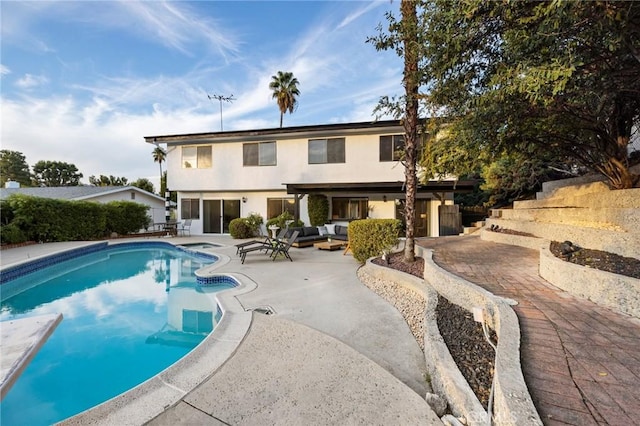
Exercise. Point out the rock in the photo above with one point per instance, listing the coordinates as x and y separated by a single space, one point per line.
437 403
449 420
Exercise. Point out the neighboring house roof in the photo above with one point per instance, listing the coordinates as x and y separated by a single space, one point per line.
73 192
324 130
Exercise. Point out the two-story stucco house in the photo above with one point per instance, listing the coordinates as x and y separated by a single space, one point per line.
220 176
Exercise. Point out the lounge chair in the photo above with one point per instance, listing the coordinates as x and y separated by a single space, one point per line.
271 247
265 241
284 246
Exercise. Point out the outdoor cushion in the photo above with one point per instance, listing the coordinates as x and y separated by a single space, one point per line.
322 230
341 230
310 231
331 228
291 230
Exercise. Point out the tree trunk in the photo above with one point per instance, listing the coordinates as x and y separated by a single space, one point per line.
411 84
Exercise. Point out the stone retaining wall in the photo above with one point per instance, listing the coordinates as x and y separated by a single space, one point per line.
512 402
614 291
515 240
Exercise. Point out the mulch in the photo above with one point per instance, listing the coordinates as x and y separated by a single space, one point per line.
597 259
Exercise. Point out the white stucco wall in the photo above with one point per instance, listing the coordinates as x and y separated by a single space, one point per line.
228 174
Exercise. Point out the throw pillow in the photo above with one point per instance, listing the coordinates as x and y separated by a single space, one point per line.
331 228
322 230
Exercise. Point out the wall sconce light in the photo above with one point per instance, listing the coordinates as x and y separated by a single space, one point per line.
398 202
384 198
244 199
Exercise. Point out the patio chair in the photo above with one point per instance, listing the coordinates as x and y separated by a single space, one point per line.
265 241
284 246
272 246
185 228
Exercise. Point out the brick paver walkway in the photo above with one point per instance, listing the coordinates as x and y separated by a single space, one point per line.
581 361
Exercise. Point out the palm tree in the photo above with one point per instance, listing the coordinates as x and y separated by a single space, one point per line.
285 90
159 155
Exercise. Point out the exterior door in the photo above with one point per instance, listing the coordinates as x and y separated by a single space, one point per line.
217 214
421 217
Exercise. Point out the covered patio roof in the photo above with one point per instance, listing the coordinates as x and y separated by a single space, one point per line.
397 187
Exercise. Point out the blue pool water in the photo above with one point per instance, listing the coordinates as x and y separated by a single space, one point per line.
128 313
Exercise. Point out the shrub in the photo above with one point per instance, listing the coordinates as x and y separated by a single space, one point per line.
11 234
318 209
254 220
372 237
240 228
125 217
281 221
45 219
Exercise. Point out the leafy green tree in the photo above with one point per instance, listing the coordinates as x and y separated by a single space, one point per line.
108 181
55 173
543 77
144 184
403 37
285 90
14 167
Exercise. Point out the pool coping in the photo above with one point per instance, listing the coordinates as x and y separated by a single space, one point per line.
18 350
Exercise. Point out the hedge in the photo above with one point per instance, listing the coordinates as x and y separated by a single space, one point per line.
371 237
49 220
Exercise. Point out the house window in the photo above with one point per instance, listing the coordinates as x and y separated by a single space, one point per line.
196 157
391 147
190 208
259 154
277 206
349 208
323 151
133 195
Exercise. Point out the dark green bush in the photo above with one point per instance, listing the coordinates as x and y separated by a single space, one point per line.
371 237
318 209
240 228
126 217
45 219
11 234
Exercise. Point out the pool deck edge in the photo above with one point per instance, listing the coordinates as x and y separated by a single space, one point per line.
21 341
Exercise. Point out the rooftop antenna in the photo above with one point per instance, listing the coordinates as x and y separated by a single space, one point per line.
221 98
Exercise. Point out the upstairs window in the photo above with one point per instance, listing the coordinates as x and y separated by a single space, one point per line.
259 154
322 151
196 157
391 147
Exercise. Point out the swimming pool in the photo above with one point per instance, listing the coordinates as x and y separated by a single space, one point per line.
129 311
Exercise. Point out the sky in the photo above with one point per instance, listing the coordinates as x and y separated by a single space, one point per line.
84 81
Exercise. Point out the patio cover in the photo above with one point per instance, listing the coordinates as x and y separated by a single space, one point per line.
398 187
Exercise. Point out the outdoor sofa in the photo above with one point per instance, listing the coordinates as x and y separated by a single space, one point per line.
309 235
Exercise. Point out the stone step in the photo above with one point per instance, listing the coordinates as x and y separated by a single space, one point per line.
620 242
629 198
616 219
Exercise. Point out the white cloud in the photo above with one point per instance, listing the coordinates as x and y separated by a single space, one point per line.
29 81
4 70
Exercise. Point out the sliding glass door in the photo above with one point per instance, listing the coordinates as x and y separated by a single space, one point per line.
217 214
